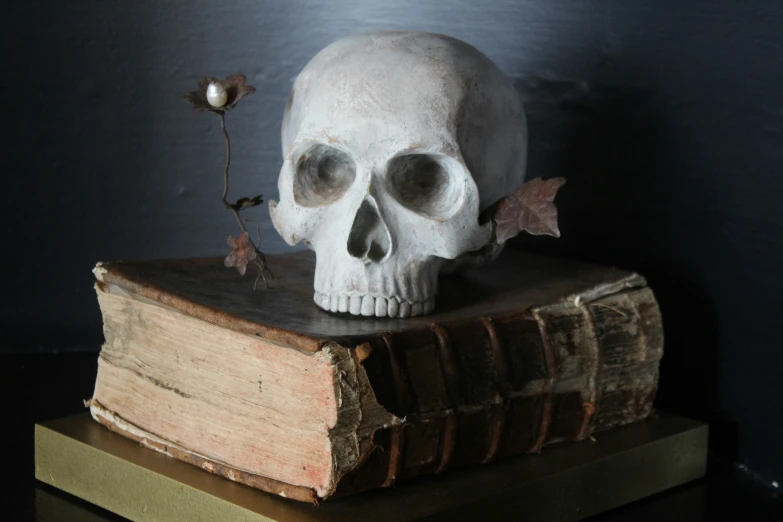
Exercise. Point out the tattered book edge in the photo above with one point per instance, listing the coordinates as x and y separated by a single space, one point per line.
108 272
599 291
358 415
119 290
117 424
357 418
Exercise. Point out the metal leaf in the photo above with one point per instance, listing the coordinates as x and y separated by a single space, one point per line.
241 252
530 209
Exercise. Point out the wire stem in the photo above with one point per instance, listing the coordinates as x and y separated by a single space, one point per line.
225 175
261 260
228 158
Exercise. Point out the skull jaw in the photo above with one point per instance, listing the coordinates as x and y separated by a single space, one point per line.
372 306
395 288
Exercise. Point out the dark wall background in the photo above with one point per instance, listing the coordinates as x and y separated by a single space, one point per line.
666 117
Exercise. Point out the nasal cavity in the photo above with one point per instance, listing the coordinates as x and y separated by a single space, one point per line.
369 238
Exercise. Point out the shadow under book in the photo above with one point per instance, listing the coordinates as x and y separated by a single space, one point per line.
266 389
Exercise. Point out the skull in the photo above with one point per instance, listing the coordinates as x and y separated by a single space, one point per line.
393 145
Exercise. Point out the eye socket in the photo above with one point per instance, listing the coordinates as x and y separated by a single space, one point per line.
323 175
424 184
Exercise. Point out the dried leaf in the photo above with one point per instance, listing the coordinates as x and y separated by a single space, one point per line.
241 252
530 209
235 90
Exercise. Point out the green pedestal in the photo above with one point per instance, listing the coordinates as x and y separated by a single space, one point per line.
567 482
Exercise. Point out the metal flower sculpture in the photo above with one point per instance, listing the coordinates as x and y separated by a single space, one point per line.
219 97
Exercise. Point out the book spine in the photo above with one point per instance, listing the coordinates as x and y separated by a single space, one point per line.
474 391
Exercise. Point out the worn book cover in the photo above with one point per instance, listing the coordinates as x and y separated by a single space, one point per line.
264 388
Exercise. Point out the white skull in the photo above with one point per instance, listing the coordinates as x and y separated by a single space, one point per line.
393 144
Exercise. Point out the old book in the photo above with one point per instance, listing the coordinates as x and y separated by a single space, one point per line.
264 388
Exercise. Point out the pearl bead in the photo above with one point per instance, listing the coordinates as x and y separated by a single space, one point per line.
216 95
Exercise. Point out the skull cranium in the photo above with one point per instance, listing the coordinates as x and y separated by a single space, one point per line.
393 145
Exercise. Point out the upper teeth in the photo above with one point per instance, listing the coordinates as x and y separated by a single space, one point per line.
368 305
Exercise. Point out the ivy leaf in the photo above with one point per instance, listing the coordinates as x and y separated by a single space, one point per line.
530 209
241 253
